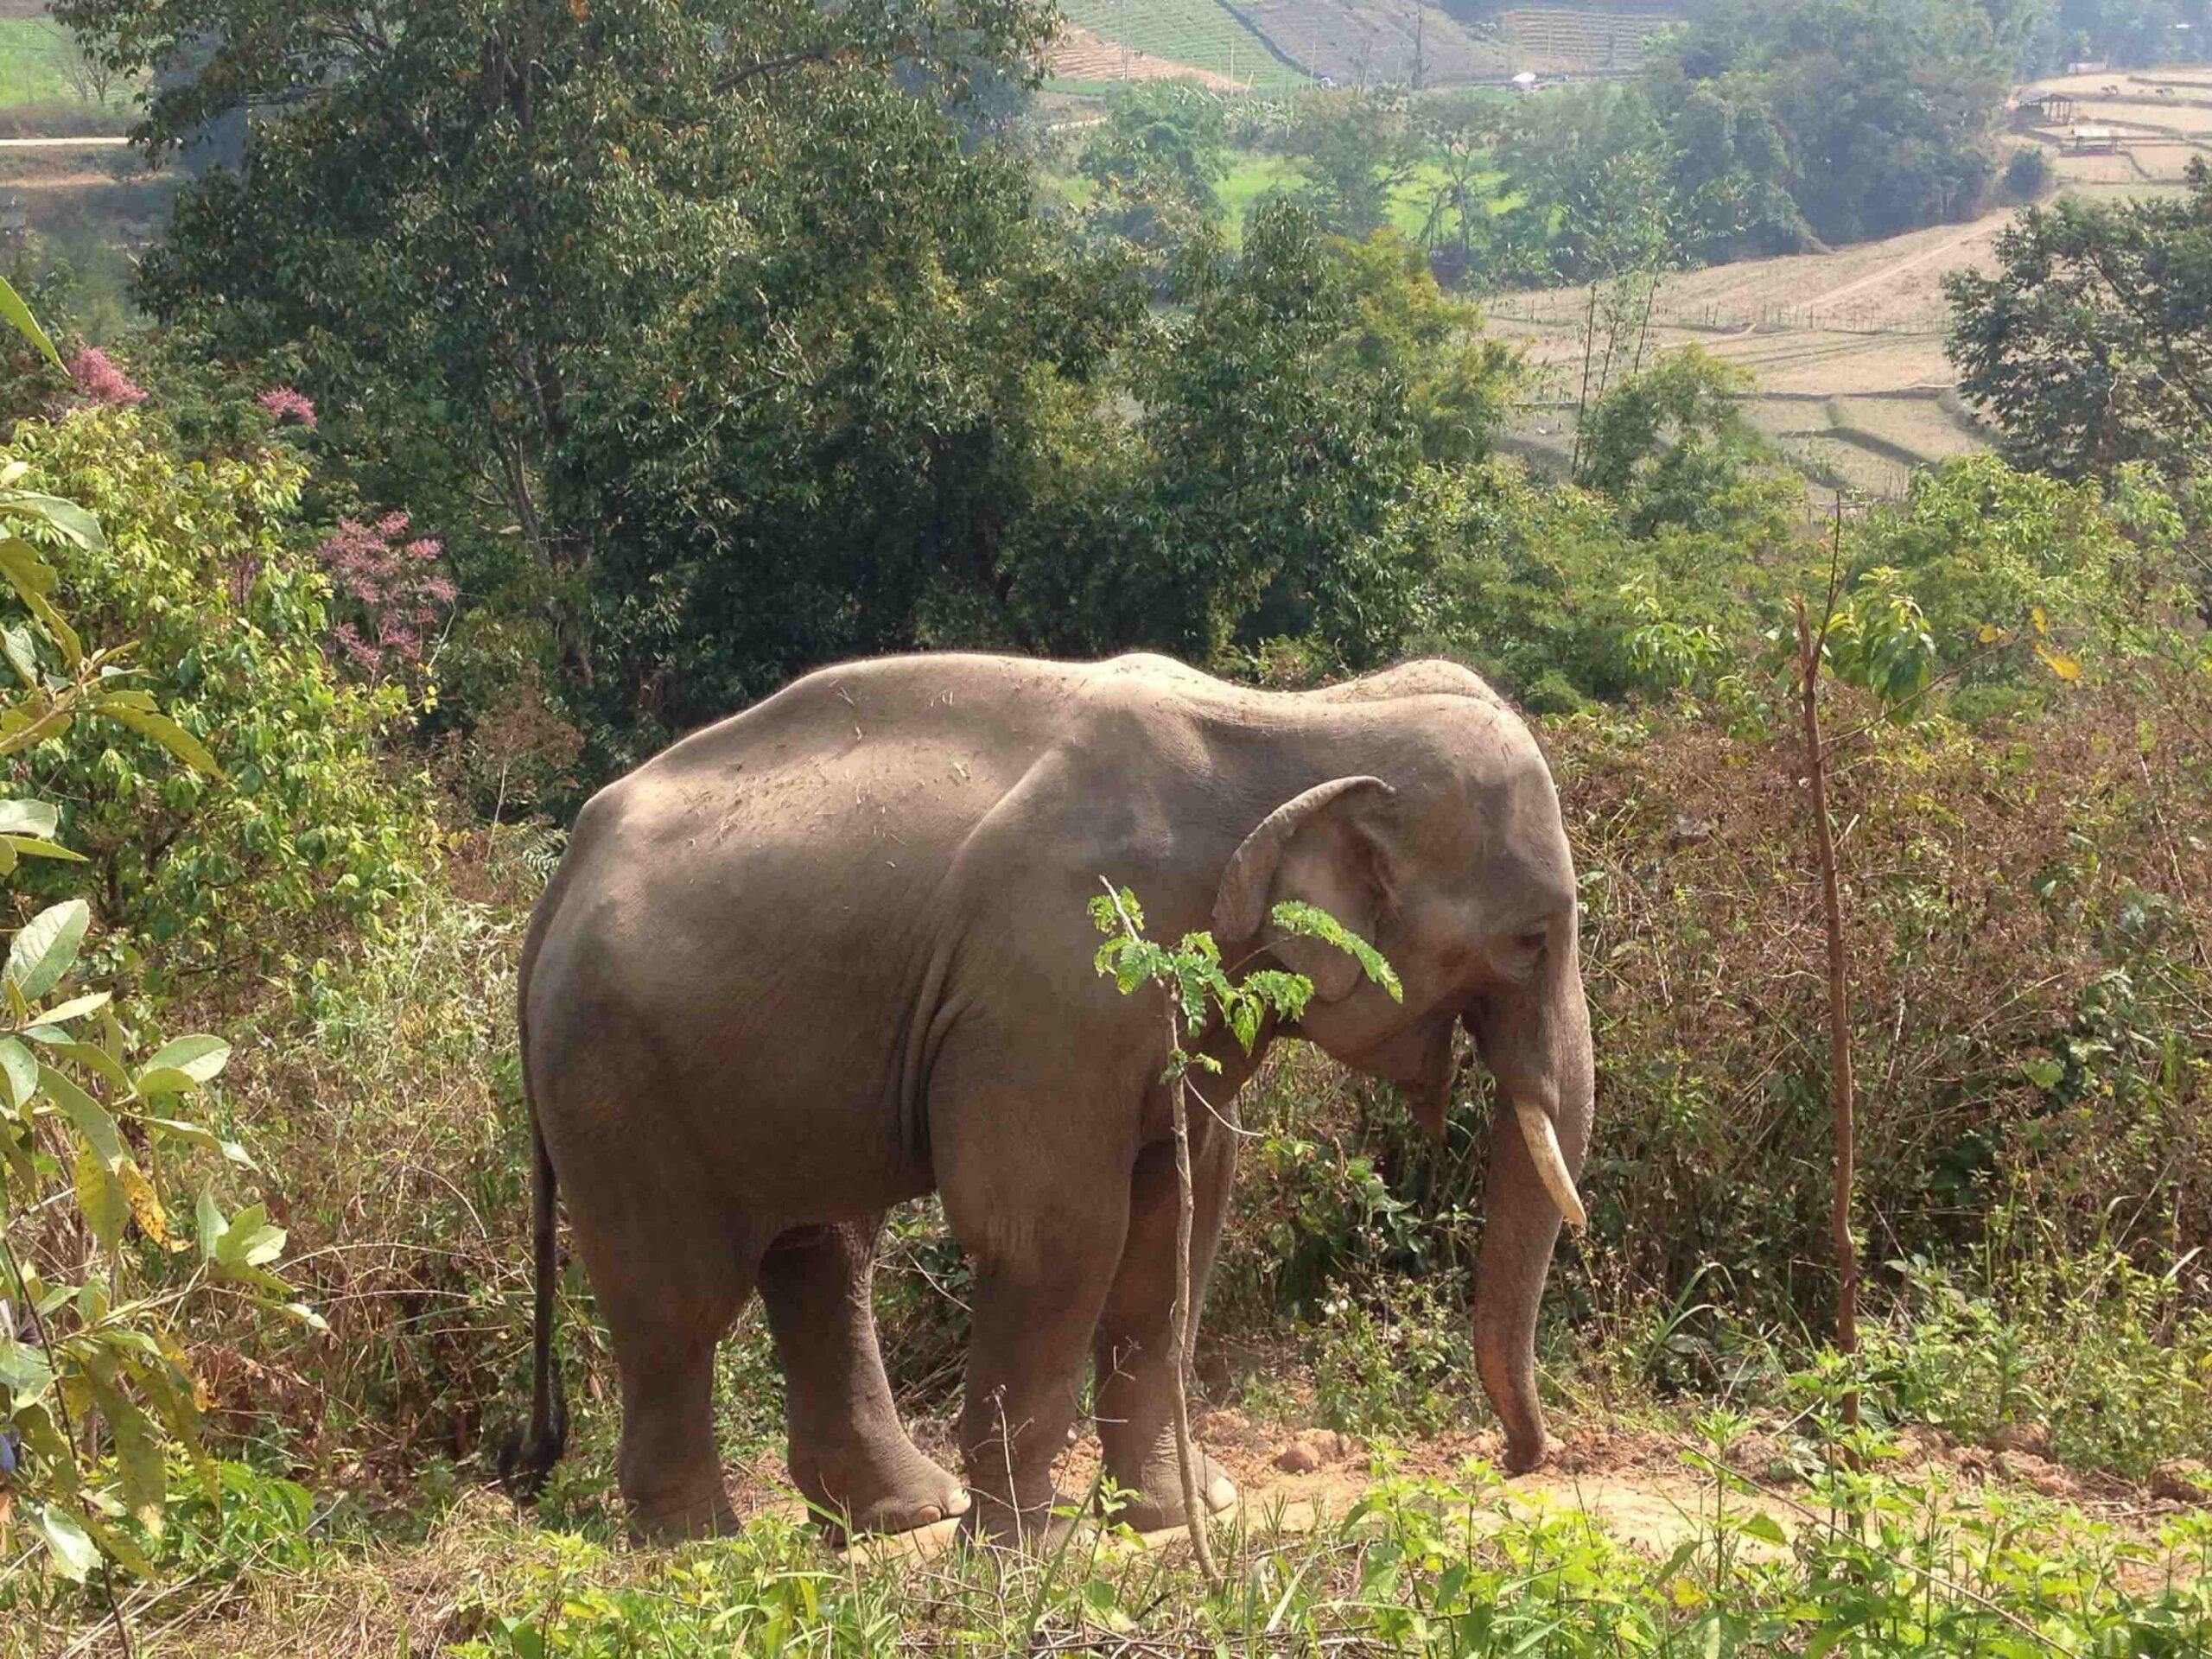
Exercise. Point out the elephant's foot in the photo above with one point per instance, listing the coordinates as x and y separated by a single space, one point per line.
1156 1500
681 1520
877 1490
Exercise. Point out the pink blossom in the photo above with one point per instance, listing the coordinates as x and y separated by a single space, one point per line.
286 401
390 583
101 380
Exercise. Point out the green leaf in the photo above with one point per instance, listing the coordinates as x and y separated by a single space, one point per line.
91 1118
200 1058
45 947
66 1541
1765 1527
72 520
76 1008
18 1072
21 654
199 1136
208 1225
23 1370
165 732
17 315
24 846
249 1240
1313 923
97 1059
38 818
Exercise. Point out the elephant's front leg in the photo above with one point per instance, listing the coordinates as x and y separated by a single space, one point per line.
1044 1261
1135 1345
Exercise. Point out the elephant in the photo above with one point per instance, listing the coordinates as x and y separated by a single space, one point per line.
832 954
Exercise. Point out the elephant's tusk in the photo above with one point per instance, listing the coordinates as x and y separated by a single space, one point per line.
1551 1162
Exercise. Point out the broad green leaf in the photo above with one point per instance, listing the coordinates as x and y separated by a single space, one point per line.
66 1541
91 1119
17 315
25 845
46 945
200 1058
97 1059
249 1240
208 1225
23 565
1765 1527
67 516
18 1072
76 1008
38 818
21 654
167 732
23 1370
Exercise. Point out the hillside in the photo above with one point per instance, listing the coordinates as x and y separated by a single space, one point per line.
1352 42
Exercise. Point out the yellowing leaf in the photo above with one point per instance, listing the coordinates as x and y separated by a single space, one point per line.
101 1197
1989 634
2041 622
145 1204
2060 662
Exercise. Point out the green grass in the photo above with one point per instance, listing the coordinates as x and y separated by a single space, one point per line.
32 55
1252 174
1201 32
1865 1564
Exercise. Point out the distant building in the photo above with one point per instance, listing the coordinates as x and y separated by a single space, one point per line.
2055 107
2095 141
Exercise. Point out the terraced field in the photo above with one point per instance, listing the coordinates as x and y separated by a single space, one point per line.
1198 40
1356 41
1846 348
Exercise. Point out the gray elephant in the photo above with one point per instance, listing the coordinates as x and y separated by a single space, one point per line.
832 954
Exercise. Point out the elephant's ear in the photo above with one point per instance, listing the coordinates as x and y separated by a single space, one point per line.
1316 848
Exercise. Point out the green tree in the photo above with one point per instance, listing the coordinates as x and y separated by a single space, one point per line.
471 222
1589 166
2090 344
1884 107
1354 150
1155 161
1670 445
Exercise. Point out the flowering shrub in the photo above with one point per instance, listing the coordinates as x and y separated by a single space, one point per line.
201 566
100 379
288 402
393 584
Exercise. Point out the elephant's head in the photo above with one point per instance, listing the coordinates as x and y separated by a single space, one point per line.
1460 873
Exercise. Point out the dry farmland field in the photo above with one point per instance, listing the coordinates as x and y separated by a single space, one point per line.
1846 348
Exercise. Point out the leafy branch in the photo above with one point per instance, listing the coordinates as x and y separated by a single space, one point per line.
1195 990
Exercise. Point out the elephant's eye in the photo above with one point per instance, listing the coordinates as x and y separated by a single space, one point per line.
1534 941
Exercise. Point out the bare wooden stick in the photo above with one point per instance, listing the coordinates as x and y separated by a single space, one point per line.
1179 1318
1841 1100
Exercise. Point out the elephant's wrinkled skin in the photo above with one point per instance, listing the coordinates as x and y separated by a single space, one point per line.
833 953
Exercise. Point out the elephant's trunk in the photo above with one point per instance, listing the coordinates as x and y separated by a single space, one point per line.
1543 1062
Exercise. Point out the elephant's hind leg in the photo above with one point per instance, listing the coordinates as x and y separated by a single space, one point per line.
670 1275
849 1454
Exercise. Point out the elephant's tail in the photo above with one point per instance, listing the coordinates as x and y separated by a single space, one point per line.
528 1457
